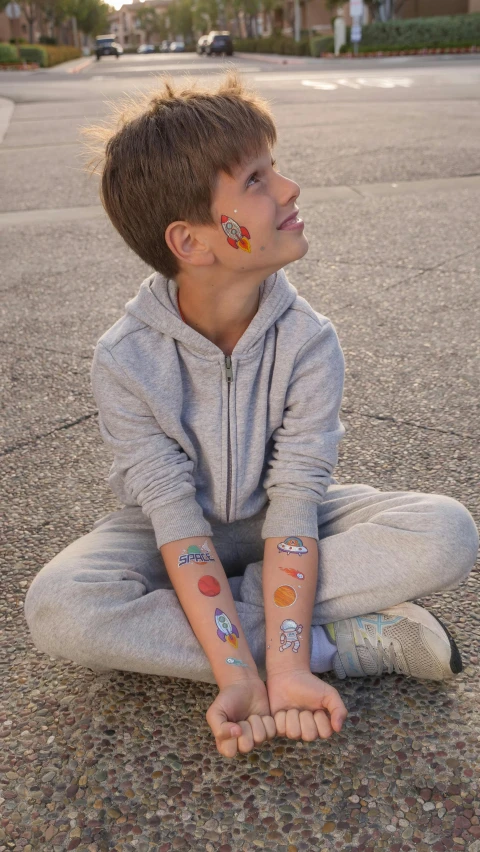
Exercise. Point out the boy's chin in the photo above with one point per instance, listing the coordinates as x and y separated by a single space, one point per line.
299 251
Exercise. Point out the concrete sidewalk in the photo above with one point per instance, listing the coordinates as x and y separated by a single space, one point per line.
124 761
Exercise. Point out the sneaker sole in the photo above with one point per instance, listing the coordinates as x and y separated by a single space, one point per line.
456 663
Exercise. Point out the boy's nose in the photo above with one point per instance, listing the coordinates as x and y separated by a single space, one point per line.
290 190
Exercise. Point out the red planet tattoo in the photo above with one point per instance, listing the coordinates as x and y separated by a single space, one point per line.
209 586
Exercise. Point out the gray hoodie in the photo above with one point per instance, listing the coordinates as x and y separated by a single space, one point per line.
198 436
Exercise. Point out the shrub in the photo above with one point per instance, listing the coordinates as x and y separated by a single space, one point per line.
48 55
321 45
61 53
34 53
417 33
47 40
8 54
284 45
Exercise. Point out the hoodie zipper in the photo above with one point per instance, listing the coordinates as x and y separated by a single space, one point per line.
229 372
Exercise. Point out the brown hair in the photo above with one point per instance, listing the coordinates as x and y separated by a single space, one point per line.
159 158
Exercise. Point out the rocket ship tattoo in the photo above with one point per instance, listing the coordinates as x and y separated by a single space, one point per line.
237 235
226 631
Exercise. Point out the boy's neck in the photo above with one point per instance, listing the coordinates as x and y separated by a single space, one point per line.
221 312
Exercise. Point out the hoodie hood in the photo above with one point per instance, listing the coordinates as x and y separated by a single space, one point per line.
156 305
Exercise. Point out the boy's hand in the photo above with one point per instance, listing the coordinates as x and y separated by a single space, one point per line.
298 701
240 717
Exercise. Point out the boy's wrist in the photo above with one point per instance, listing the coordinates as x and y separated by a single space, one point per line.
241 675
277 669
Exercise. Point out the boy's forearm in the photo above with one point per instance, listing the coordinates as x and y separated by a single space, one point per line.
289 584
200 583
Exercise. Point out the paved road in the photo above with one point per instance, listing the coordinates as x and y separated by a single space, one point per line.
387 156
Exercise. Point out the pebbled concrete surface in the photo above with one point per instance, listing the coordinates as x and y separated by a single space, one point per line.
124 761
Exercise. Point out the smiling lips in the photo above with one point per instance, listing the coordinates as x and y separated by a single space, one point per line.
292 223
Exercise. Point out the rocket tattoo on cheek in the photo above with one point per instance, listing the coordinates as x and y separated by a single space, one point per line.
237 235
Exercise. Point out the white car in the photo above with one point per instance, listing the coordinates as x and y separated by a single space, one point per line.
146 48
177 46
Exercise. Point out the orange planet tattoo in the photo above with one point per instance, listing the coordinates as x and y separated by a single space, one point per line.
284 596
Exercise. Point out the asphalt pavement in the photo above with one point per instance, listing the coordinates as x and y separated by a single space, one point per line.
386 153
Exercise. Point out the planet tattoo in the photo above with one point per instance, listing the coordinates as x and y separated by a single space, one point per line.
209 586
284 596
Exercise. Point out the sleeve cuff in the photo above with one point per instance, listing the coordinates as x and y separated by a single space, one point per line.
290 516
180 519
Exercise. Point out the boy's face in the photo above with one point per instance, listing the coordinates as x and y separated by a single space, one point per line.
249 210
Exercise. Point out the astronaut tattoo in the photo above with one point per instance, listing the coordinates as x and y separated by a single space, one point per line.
290 635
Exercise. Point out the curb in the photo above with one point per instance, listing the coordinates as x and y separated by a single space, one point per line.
6 109
77 68
274 58
425 51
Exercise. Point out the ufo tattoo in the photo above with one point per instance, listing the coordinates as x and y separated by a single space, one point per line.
292 545
237 235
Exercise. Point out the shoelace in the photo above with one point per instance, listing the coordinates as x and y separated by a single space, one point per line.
385 658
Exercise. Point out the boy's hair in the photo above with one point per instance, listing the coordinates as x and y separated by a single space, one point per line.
160 158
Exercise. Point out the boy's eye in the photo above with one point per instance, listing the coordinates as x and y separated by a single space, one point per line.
254 176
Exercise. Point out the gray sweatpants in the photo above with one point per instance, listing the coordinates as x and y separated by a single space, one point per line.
106 601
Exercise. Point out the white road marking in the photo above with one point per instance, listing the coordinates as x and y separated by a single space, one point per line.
360 82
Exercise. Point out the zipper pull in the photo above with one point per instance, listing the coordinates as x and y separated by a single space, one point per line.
228 368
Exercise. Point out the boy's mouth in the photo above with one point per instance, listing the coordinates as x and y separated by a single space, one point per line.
291 223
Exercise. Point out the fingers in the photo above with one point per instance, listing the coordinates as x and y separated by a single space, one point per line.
256 730
336 708
297 725
322 723
308 726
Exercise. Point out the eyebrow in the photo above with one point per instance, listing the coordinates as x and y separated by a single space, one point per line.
253 166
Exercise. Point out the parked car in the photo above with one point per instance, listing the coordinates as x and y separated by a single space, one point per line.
177 46
218 43
202 44
107 46
146 48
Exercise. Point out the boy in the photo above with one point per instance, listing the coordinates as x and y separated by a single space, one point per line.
219 394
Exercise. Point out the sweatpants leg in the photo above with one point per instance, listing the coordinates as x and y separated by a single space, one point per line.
377 549
106 601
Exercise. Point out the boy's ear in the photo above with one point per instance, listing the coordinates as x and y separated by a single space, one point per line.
187 246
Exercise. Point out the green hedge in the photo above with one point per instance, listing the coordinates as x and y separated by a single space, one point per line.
47 55
34 53
395 49
8 54
319 46
416 33
283 45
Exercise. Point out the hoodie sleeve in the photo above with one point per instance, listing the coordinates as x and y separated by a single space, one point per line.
157 474
305 449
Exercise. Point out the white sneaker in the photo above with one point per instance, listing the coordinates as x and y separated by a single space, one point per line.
406 639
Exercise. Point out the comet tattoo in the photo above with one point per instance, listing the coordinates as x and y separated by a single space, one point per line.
237 235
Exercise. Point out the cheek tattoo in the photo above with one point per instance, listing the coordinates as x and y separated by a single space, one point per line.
237 235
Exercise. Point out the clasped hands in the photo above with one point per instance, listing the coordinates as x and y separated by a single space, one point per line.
294 704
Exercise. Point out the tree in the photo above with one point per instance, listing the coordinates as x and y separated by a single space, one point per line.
92 16
180 16
152 23
381 10
205 15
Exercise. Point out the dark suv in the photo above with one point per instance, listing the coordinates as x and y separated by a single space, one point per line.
107 46
219 43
